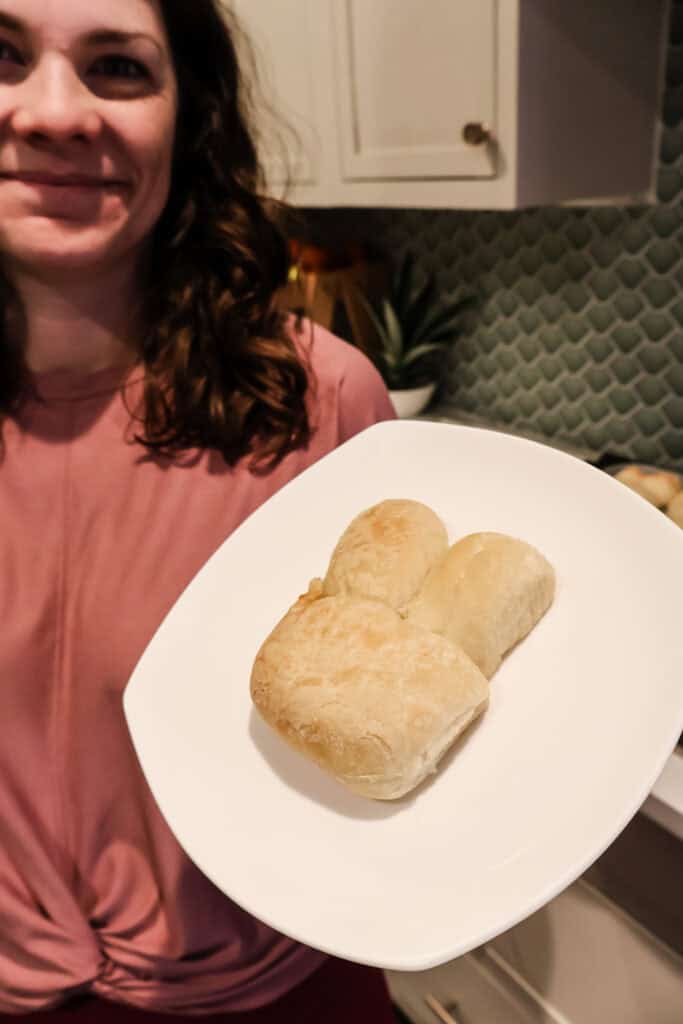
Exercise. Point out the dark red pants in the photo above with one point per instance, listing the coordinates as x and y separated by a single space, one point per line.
336 993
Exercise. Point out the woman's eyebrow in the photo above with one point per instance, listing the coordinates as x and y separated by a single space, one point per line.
98 36
107 36
13 24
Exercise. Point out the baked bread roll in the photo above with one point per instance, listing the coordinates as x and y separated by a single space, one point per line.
655 485
485 595
386 552
372 699
674 509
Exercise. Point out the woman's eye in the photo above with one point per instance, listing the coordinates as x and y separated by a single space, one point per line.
120 67
9 53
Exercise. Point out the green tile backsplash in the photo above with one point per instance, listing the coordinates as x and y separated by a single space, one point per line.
578 333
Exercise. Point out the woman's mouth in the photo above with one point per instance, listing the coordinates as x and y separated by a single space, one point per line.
42 178
79 197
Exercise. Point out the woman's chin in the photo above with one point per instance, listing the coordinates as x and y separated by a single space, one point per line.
52 244
62 259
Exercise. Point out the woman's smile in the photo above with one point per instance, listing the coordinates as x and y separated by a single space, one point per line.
70 197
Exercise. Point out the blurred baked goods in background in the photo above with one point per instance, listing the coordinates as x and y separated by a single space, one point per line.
658 486
662 488
674 509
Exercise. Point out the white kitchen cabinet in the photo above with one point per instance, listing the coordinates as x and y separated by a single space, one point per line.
392 61
495 104
282 36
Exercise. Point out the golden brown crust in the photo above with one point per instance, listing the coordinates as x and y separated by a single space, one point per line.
485 595
386 552
372 699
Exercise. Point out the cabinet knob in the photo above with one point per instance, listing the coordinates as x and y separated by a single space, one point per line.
475 133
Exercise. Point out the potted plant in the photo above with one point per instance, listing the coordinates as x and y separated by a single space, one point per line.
415 326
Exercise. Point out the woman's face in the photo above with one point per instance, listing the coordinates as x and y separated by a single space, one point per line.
88 103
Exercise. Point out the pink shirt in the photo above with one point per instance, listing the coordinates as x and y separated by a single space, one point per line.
97 541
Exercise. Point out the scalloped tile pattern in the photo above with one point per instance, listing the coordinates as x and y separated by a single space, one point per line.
578 333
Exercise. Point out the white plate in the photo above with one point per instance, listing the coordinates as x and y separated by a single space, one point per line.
583 714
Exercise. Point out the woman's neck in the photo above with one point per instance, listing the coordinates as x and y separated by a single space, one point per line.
85 325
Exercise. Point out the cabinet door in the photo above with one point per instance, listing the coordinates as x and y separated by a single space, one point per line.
410 76
283 37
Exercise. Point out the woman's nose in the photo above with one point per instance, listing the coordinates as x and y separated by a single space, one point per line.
54 103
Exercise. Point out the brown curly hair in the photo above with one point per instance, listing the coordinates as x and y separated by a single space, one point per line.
222 370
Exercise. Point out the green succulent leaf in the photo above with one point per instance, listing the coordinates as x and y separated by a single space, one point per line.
419 353
445 334
394 332
403 284
444 317
379 325
422 300
414 324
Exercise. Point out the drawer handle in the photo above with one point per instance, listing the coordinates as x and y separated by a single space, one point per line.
476 134
441 1012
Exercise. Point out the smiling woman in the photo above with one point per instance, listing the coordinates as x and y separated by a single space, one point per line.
58 86
85 157
150 398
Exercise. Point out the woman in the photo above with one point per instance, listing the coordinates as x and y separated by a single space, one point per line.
150 400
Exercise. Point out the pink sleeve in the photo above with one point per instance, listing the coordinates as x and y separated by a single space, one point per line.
363 397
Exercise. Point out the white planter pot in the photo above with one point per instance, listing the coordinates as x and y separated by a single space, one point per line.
411 401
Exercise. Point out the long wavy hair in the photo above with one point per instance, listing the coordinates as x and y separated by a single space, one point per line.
222 370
